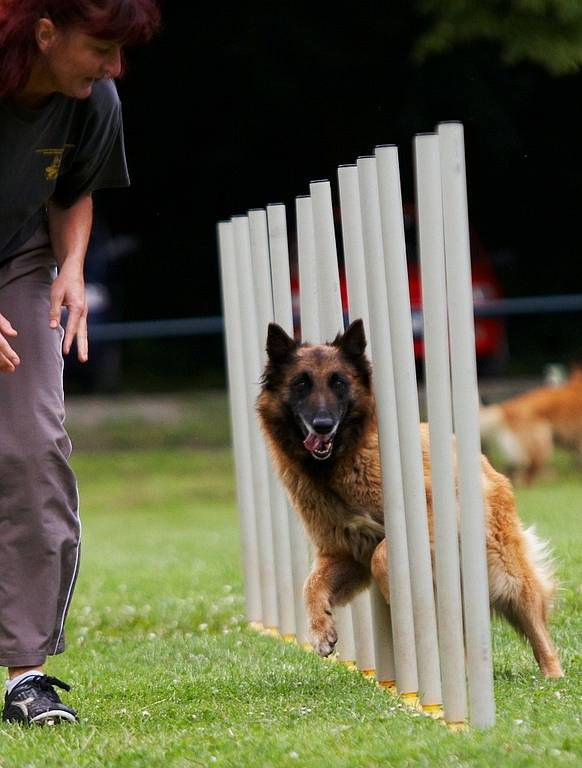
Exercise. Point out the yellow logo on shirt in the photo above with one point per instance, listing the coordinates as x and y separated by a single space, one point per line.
51 171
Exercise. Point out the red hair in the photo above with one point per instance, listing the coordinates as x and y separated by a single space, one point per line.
127 21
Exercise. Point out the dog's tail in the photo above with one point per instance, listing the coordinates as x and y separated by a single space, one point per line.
540 556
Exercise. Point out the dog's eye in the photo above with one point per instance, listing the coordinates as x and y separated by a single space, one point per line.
302 384
338 384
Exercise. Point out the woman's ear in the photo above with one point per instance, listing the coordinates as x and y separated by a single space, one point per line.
45 34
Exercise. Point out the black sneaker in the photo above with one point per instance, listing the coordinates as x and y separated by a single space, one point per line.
35 701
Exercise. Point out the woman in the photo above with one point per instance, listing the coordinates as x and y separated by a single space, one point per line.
61 138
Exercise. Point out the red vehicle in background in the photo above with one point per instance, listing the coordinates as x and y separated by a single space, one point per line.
490 335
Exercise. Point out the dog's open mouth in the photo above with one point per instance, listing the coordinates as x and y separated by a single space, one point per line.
319 446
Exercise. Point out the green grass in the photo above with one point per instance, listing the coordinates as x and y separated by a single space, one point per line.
150 421
166 673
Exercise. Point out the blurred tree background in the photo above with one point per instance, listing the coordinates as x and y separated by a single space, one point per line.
234 107
545 32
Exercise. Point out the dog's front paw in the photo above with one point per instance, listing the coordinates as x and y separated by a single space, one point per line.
323 636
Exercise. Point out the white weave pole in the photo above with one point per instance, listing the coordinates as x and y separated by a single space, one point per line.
283 315
427 655
394 511
308 307
240 425
438 393
375 623
260 472
361 608
466 422
260 260
331 322
331 318
362 625
308 299
379 613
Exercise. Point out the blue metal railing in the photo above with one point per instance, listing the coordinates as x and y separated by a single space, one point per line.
205 326
530 305
151 329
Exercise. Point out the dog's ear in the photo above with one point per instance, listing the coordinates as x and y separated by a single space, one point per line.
280 346
353 342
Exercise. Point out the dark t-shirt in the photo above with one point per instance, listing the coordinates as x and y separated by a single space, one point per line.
69 148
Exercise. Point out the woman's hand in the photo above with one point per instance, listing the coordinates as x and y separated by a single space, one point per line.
69 231
68 290
8 357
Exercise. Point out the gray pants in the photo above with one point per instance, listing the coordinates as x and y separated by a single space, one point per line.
39 522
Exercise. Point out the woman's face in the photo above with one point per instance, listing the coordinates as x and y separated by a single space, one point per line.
72 60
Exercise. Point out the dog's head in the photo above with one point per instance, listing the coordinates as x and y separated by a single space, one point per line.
316 400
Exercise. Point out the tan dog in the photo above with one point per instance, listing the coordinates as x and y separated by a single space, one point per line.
317 412
525 429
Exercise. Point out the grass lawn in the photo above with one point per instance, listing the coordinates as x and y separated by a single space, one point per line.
165 673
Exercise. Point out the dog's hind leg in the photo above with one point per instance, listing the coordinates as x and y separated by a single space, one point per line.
525 610
379 566
540 446
521 582
332 582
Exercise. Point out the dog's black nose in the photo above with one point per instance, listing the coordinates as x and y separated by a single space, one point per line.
323 424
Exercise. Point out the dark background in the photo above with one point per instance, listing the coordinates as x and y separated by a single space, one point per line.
244 105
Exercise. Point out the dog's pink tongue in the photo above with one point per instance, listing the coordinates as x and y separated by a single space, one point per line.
312 441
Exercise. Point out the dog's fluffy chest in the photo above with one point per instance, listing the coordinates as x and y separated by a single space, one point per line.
358 482
342 510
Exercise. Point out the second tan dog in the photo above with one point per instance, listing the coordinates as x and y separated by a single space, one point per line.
525 429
